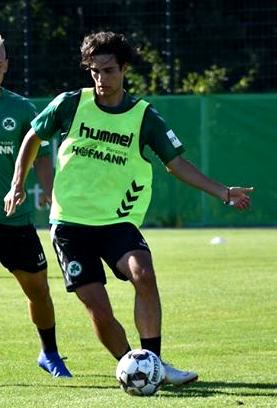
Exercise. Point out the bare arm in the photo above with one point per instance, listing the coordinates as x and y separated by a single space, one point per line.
188 173
25 159
44 171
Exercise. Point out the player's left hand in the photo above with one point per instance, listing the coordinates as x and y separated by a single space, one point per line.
239 198
16 196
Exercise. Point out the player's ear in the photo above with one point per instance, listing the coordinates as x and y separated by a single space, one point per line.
124 68
6 66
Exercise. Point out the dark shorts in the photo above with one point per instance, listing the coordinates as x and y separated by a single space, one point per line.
20 249
81 249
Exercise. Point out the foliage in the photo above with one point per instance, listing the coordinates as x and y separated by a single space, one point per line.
211 81
156 78
204 39
136 82
244 84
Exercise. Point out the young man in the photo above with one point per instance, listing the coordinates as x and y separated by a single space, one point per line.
20 248
102 189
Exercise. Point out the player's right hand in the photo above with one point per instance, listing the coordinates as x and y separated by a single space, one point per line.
16 196
239 198
44 200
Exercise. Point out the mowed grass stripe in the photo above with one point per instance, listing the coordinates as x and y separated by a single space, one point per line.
219 318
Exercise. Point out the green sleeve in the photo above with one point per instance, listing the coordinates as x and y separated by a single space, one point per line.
57 117
159 137
30 114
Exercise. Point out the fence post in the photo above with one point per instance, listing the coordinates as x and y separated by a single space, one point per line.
204 152
168 45
27 47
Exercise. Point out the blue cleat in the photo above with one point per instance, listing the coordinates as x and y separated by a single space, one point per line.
53 364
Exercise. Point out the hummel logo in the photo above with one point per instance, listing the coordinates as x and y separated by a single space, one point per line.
105 135
130 197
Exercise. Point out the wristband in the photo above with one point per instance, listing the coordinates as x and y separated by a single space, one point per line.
228 201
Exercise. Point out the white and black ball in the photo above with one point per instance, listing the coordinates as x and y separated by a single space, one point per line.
140 372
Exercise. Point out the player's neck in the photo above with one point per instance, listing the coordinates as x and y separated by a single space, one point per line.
111 100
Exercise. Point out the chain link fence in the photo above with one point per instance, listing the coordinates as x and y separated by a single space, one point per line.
190 46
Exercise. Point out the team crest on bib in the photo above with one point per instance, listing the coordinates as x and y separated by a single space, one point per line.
74 268
9 123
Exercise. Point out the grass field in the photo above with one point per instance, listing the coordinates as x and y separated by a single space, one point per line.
219 318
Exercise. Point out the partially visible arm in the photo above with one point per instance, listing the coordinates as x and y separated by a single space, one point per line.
166 145
44 171
25 159
188 173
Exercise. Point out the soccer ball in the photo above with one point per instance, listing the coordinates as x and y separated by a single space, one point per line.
140 372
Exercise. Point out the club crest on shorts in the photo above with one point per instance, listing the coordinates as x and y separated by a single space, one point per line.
9 123
74 268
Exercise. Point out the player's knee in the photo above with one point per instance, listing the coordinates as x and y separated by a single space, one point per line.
39 293
144 278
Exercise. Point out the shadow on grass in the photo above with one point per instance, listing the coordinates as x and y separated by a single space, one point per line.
200 389
208 389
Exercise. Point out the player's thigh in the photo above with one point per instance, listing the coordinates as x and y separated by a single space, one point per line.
136 265
21 249
77 252
125 250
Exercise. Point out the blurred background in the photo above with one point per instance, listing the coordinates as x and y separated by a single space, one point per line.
187 46
208 66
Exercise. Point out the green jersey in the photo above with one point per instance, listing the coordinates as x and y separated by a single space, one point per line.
60 117
16 114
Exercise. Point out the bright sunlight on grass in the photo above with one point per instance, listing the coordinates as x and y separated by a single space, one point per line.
219 319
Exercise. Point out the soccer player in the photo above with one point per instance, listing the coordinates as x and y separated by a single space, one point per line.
20 248
102 189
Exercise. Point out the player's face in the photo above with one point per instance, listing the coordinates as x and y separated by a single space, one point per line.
108 78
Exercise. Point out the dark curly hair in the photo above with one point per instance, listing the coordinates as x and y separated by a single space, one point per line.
106 42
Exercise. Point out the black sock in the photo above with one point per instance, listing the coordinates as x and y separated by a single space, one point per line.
48 339
153 344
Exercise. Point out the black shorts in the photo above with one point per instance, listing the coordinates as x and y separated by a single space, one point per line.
81 249
20 249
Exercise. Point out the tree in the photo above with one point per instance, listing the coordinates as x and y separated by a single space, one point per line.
182 43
